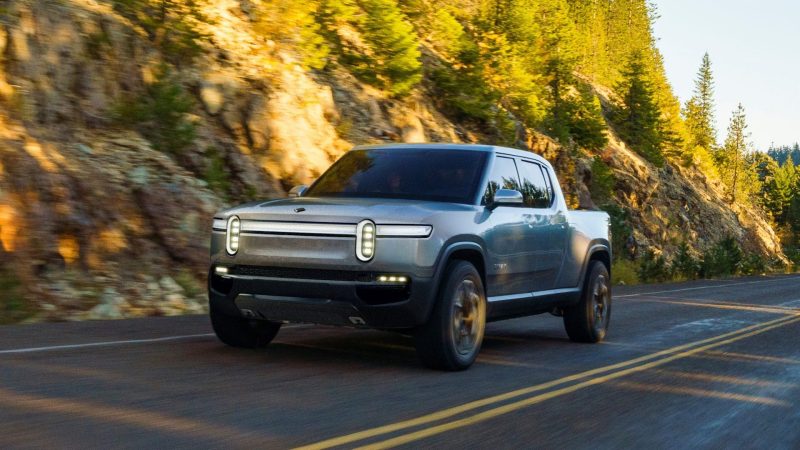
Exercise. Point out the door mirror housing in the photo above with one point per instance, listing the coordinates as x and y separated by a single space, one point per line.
298 191
506 197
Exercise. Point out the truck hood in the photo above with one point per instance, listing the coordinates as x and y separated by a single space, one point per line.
343 210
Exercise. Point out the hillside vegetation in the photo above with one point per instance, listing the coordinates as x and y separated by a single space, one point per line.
125 124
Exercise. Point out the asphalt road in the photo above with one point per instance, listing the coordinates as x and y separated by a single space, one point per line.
711 364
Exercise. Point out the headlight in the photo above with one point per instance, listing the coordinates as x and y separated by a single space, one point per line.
419 231
365 240
232 235
219 225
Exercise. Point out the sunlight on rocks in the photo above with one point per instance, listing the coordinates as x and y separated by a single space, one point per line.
112 240
69 248
46 156
8 228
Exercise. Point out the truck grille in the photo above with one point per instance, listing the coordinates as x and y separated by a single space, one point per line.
303 274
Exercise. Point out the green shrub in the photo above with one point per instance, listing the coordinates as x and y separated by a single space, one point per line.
625 272
684 266
462 94
95 43
722 259
753 264
653 268
216 173
344 127
172 25
13 306
602 186
302 25
191 286
160 115
621 230
793 253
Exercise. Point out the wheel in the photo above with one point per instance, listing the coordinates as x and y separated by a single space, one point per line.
588 320
452 337
241 332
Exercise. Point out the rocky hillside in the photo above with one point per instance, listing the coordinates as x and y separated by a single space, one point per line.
114 157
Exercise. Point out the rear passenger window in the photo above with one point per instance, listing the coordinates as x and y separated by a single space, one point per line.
503 176
536 189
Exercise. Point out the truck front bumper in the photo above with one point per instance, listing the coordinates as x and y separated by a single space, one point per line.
331 297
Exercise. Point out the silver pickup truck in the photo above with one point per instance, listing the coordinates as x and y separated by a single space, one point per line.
433 240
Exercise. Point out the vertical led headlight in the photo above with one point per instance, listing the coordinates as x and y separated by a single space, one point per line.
232 235
365 240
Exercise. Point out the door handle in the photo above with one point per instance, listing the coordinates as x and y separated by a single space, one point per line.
527 219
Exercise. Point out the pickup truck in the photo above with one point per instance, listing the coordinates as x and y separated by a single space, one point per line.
432 240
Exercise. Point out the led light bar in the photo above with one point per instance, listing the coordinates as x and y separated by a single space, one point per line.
393 279
365 240
404 230
219 225
327 229
232 235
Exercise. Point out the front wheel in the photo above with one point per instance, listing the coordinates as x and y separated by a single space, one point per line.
588 320
452 337
241 332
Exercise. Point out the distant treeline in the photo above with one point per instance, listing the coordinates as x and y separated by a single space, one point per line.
783 153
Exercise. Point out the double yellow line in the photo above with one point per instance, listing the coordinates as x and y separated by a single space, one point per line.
582 380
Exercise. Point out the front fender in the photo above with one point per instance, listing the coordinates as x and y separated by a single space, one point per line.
450 247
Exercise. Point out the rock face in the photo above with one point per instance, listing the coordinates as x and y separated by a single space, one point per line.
96 223
674 204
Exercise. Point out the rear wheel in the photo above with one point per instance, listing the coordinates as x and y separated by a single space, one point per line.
588 320
452 337
241 332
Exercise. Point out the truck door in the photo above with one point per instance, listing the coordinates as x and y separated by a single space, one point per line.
545 227
506 270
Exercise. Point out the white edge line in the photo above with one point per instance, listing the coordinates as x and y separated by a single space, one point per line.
111 343
706 287
101 344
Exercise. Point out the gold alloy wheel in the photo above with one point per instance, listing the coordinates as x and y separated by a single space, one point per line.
468 317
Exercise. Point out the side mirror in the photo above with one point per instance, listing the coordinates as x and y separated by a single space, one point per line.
506 197
298 191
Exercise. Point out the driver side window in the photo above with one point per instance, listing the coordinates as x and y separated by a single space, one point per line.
504 176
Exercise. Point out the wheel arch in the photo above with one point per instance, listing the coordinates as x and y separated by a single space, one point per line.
598 251
463 250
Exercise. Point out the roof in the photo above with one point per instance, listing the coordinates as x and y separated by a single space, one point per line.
449 146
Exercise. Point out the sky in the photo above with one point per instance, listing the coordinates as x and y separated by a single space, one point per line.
755 57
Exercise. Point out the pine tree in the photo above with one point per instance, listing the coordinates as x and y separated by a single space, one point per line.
780 189
590 18
393 58
557 48
459 81
737 170
587 126
639 119
699 110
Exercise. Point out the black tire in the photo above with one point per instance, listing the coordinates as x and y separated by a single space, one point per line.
241 332
588 320
439 345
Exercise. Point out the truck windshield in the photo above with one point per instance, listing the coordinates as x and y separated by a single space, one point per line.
404 173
